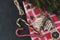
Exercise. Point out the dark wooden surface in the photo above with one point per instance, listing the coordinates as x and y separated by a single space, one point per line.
8 17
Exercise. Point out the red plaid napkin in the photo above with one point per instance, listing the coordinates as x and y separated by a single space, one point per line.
31 14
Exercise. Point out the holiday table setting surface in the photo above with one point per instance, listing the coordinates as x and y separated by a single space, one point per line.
8 16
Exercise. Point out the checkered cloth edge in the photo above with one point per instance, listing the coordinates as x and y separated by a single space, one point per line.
35 12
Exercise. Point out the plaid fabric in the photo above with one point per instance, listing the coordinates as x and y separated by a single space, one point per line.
56 21
32 14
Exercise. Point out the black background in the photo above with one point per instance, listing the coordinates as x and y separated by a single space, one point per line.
8 16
